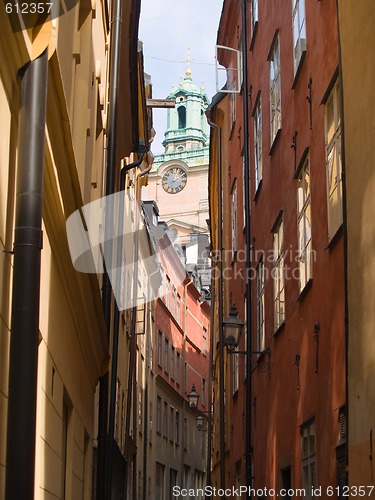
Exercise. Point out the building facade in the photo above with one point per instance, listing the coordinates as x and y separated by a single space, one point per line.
66 63
359 186
177 357
294 396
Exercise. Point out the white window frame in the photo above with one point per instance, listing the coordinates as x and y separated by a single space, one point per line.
299 32
275 89
333 161
258 151
308 458
304 225
278 276
261 338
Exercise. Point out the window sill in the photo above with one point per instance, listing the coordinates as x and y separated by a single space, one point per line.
253 36
305 290
258 189
279 329
275 141
335 238
299 69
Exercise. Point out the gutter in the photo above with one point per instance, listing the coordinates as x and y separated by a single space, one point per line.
24 338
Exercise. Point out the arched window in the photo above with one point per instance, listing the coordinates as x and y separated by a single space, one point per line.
181 117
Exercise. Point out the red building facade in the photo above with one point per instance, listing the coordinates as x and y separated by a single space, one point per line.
298 393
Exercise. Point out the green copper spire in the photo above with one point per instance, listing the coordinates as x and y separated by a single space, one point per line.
187 127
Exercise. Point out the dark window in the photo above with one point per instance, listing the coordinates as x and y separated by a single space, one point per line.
181 117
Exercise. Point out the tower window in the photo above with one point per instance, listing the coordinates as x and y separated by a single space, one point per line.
181 117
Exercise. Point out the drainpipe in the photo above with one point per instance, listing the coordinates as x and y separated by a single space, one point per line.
248 443
219 262
116 325
24 338
133 342
114 79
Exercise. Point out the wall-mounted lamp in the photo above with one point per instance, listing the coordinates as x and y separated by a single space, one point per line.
232 328
193 397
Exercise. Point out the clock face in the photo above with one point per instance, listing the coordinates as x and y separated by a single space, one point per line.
174 180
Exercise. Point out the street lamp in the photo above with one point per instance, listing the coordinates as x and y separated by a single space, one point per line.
193 397
232 327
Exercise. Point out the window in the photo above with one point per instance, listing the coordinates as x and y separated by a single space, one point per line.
332 118
178 367
299 31
165 420
254 15
177 427
171 423
159 482
308 458
158 415
168 293
204 341
234 217
203 399
304 225
166 355
275 89
173 307
260 307
278 276
258 142
181 117
178 309
160 341
172 363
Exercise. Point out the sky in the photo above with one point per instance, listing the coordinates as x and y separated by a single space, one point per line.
167 29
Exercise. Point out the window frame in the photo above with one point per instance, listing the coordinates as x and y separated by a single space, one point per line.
309 461
258 146
261 327
275 88
278 274
305 253
299 43
333 146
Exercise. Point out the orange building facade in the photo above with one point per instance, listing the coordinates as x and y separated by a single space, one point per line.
297 385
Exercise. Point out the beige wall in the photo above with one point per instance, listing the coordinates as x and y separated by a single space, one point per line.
73 352
358 70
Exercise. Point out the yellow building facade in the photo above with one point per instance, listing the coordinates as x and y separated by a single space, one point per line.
358 72
74 346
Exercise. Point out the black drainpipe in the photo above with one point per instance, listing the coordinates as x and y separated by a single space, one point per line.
248 430
24 338
114 78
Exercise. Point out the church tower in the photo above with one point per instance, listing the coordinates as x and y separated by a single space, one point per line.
178 181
